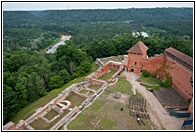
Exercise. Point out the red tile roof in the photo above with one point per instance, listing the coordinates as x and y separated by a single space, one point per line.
183 57
138 48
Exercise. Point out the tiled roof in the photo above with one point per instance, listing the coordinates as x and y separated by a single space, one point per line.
183 57
138 48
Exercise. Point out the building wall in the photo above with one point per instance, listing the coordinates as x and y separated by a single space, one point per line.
180 75
180 78
138 63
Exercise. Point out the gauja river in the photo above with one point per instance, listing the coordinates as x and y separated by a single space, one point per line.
61 42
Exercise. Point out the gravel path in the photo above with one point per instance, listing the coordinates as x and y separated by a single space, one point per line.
158 115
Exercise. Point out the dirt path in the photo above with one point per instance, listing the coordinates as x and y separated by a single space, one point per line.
158 114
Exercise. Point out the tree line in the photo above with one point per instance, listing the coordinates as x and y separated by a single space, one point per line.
29 75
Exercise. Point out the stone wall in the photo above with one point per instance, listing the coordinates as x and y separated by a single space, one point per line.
9 126
100 61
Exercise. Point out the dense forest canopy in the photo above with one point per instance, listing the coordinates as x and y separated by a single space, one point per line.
29 73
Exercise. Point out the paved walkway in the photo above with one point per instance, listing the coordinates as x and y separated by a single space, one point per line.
159 116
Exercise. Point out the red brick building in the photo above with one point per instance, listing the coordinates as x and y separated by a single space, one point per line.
173 62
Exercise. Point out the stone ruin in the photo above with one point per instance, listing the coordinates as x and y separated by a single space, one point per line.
102 61
59 104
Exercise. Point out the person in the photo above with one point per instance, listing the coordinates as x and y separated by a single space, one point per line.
137 115
121 109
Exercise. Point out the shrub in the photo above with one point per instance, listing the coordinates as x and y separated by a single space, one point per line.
145 73
167 83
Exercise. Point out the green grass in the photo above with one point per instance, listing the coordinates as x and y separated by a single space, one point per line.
40 124
114 119
152 83
151 87
51 114
95 87
30 109
107 76
106 123
75 99
150 80
83 91
122 86
83 121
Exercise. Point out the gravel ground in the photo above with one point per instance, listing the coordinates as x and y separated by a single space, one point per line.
157 113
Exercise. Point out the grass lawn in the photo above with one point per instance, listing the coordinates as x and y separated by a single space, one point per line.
51 114
152 88
74 99
107 76
122 86
95 87
83 91
150 80
30 109
114 118
40 124
152 83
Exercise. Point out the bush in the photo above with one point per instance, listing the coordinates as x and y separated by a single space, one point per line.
167 83
145 73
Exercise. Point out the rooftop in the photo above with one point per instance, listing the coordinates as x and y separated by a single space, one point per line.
181 56
138 48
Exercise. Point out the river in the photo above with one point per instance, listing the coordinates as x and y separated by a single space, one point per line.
144 34
61 42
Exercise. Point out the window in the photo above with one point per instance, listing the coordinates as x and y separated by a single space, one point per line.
135 63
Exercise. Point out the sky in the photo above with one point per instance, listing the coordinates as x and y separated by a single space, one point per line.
7 6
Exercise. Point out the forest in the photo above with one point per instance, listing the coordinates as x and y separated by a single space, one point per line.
29 73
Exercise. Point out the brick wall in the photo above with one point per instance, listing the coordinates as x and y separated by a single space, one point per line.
137 63
103 70
180 75
96 82
181 78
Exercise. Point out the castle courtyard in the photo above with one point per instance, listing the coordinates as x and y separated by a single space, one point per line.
108 107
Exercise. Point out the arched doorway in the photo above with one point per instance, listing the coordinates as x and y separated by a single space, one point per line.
141 68
131 69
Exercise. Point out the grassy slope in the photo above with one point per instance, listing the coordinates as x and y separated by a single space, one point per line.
30 109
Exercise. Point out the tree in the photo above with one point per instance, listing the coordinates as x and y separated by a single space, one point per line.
55 82
64 75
